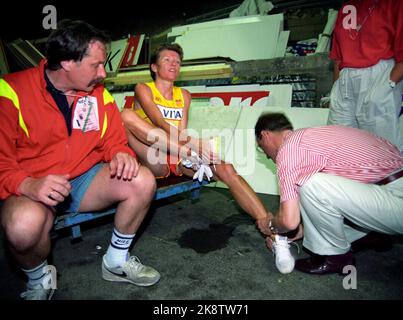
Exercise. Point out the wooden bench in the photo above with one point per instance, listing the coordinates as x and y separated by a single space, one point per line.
165 188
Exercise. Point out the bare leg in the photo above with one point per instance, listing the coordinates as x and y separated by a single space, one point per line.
159 169
27 224
133 197
239 188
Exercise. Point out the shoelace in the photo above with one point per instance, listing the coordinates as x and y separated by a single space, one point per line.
135 263
282 245
295 244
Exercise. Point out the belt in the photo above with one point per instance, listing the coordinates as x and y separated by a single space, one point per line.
390 178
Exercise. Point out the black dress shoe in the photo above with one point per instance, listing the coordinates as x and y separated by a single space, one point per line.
379 242
325 264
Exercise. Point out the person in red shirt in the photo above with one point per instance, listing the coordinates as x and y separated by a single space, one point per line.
63 147
344 185
367 49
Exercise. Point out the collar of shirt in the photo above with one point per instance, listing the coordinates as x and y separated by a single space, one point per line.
61 101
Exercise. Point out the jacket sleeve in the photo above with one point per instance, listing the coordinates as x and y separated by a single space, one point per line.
113 132
11 174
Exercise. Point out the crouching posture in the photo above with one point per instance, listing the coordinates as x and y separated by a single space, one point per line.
344 185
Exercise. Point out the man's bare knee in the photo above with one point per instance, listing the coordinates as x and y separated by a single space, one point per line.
144 185
24 225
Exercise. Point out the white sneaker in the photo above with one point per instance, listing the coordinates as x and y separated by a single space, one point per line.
132 271
284 260
38 292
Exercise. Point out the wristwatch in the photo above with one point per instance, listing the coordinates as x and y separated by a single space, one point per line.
392 84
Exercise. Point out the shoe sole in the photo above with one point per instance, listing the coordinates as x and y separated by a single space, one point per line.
286 270
113 278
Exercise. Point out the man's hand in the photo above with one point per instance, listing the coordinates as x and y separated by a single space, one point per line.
123 165
50 190
269 242
396 74
263 225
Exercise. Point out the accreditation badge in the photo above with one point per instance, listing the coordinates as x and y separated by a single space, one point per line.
86 114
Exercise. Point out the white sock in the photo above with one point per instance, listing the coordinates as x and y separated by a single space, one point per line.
35 275
117 253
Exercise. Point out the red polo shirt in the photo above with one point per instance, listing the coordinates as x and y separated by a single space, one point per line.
380 36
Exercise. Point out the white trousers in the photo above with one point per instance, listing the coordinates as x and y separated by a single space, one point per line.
362 98
326 201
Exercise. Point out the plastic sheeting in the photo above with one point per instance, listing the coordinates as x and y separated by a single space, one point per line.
251 7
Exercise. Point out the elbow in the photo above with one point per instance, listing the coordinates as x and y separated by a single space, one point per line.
290 223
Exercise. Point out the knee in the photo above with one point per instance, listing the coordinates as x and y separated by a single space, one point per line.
144 184
24 227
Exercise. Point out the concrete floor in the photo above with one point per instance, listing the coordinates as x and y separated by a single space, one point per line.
208 250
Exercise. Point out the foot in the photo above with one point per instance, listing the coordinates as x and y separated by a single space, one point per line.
132 271
325 264
284 260
42 291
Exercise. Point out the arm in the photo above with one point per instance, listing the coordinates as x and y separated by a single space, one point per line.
185 117
150 135
185 139
11 174
396 74
336 71
288 218
13 179
114 136
200 146
335 53
114 146
177 137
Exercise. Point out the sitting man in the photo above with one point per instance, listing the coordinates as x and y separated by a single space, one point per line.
343 182
161 112
63 146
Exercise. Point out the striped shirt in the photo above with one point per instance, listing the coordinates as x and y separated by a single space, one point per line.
337 150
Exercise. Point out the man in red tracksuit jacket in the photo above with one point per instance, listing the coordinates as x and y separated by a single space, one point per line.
63 146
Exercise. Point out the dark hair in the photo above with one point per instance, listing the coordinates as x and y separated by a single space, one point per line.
70 42
272 122
165 46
